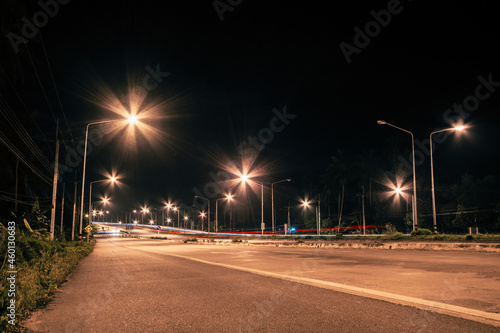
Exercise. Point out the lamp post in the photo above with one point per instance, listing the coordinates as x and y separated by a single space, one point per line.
244 178
178 220
227 197
202 215
415 219
272 198
208 215
112 180
306 205
456 128
132 120
398 191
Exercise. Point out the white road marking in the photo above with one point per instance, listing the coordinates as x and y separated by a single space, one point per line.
449 309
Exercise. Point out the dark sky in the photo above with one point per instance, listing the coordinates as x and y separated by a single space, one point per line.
225 77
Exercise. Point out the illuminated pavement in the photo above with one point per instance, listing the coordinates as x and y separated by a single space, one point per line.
131 285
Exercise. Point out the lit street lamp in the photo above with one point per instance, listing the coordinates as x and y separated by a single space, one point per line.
178 220
208 215
112 180
132 120
228 198
306 205
202 215
398 191
272 198
415 220
244 178
456 128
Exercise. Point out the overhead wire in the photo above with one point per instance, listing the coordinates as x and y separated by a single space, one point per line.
21 157
14 122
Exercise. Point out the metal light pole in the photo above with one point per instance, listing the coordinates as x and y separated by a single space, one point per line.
434 222
132 120
112 180
261 206
415 219
306 204
208 215
227 197
272 199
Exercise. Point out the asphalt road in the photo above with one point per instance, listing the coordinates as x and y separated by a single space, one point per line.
132 285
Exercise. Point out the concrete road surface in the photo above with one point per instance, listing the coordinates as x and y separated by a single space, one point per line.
132 285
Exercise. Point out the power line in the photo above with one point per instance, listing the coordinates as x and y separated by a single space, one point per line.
23 134
21 157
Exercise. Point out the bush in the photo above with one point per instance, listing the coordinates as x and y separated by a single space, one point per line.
421 231
469 237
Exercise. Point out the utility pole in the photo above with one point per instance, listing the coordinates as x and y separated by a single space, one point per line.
288 219
17 174
62 207
54 186
363 205
74 214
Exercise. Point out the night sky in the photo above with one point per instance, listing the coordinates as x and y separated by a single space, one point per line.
221 72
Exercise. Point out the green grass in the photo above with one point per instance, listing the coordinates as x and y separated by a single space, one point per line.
41 266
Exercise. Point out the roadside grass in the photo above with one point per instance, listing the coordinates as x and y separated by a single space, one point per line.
42 266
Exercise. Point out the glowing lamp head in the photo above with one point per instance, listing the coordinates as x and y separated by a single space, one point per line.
202 214
244 178
185 217
132 119
398 191
459 128
112 179
229 197
305 203
381 122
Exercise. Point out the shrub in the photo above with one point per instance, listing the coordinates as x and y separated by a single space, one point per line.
421 231
469 237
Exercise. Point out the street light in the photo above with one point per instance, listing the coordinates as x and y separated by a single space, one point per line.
202 215
399 191
178 220
306 205
112 180
456 128
228 198
244 178
272 198
132 120
415 219
208 215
